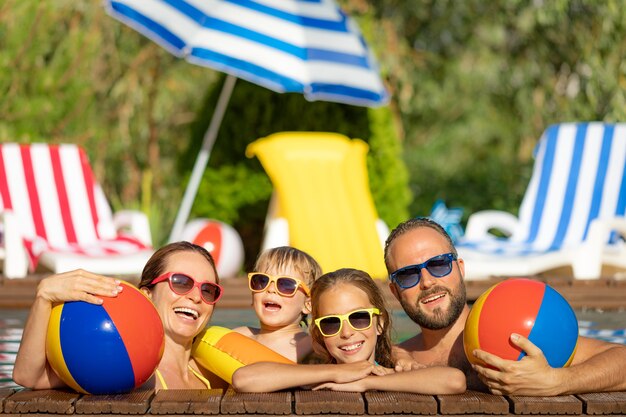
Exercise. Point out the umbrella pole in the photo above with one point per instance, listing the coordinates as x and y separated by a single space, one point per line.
202 160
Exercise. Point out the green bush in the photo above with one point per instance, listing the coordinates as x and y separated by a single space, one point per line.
236 190
475 83
388 174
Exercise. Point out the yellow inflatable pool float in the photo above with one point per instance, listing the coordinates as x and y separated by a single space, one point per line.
223 351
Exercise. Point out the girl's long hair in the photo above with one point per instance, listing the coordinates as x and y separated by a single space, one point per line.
361 280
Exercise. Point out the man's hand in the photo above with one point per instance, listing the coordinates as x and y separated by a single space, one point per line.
532 375
404 361
410 364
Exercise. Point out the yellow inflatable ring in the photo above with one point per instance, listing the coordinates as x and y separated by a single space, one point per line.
223 351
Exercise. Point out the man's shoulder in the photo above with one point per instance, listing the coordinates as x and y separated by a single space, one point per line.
414 344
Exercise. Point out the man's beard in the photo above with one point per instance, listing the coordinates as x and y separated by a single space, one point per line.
439 319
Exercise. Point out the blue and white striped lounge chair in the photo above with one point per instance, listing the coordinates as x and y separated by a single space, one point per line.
573 212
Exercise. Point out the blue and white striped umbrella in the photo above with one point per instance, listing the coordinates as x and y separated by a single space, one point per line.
304 46
309 47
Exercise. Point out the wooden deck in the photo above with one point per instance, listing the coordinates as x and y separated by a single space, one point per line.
606 293
216 402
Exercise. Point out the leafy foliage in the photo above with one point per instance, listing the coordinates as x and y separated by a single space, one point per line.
70 73
473 85
237 191
388 174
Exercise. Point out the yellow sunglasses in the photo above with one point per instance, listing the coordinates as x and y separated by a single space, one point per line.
359 320
287 286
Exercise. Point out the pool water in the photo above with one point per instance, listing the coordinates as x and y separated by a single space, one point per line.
609 326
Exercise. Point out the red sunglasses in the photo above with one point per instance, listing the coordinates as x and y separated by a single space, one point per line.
182 284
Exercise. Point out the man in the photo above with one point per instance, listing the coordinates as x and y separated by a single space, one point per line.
427 278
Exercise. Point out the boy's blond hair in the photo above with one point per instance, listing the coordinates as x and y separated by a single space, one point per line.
287 257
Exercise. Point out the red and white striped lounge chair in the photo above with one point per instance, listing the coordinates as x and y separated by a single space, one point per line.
53 213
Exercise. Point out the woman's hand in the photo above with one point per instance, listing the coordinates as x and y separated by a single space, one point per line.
31 368
78 285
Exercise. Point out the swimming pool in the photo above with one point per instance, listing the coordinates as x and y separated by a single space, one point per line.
610 326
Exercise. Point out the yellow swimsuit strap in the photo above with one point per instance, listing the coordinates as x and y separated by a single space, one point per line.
200 377
161 379
193 371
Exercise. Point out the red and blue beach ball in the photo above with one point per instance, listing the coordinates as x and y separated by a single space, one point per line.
106 349
526 307
221 240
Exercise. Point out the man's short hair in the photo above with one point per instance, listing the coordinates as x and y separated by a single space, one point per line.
412 224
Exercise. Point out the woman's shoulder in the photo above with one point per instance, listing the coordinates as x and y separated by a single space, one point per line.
214 380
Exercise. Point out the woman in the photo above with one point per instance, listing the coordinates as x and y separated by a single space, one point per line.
182 282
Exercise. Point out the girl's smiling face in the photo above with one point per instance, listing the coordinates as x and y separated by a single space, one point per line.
275 310
349 345
184 316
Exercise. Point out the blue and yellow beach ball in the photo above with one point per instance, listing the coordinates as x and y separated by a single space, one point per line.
526 307
106 349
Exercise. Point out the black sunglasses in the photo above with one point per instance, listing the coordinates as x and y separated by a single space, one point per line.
409 276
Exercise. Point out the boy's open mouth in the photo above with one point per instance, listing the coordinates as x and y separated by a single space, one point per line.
272 306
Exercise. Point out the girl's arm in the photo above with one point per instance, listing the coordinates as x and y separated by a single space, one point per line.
432 380
269 376
32 369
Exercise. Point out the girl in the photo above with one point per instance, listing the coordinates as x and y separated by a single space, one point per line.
182 282
351 329
280 286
